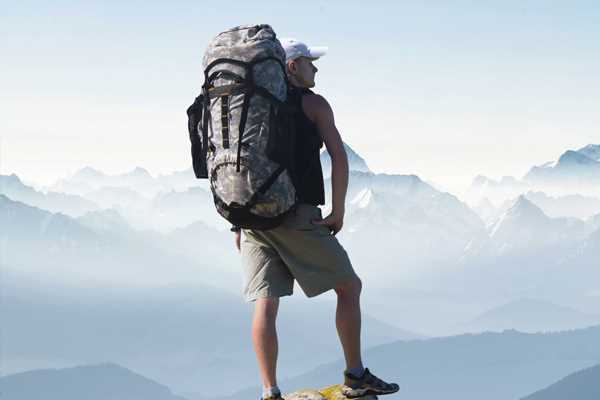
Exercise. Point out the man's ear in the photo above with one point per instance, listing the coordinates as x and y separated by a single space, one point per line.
292 66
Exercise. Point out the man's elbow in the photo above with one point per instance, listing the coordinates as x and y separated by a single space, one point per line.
338 154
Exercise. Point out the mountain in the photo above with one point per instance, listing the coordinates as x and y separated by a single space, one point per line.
92 382
525 228
355 162
496 191
580 385
401 234
492 366
531 315
525 254
400 217
574 205
106 222
186 336
182 180
12 187
99 290
575 171
487 211
122 198
58 247
591 151
88 179
171 210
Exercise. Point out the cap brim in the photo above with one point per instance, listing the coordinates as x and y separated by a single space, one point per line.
317 52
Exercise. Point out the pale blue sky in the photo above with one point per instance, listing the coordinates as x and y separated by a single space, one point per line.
442 89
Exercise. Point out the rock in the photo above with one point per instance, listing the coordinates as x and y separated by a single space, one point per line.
330 393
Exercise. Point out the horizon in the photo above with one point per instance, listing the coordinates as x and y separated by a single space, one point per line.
453 187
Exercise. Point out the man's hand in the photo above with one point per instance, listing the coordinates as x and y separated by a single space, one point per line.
238 236
333 221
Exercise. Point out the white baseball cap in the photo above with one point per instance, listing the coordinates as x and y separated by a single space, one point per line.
295 48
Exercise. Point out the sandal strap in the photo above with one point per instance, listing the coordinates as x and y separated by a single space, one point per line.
376 382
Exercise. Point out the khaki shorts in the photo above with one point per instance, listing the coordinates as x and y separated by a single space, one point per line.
295 250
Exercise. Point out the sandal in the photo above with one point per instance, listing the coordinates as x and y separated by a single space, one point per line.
366 385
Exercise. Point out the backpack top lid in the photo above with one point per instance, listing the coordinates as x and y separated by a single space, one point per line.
249 43
245 43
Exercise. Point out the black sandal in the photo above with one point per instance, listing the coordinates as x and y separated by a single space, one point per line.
366 385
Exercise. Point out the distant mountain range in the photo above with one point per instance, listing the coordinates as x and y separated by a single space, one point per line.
530 315
495 365
88 180
91 382
73 205
406 238
95 280
492 366
573 168
135 269
574 172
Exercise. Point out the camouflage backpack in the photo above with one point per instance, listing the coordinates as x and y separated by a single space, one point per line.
241 128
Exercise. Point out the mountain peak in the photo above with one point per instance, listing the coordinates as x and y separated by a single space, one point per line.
591 151
523 206
355 162
88 173
11 181
139 171
575 158
522 213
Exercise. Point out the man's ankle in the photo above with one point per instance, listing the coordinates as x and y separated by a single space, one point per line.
356 372
271 392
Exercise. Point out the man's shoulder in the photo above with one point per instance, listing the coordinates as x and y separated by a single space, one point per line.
314 104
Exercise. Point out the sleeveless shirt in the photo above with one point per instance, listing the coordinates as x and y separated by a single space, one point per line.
308 173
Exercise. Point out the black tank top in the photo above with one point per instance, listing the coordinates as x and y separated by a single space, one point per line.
307 160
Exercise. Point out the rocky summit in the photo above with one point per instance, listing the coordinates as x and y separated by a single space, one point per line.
335 392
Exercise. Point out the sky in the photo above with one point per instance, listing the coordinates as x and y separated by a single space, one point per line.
445 90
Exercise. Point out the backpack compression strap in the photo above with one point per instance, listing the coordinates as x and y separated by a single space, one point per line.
244 85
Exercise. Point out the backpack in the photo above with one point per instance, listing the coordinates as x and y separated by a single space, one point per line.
241 128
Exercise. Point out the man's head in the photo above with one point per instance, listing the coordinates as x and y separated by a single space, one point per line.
299 61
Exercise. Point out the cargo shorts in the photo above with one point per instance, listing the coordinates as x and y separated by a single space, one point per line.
295 250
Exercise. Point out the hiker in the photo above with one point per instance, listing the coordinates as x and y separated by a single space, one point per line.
304 247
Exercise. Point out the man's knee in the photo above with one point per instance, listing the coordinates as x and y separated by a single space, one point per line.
350 287
267 308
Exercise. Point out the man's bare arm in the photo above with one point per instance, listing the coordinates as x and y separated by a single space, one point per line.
319 111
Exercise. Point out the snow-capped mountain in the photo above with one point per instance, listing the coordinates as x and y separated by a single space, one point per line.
355 162
525 227
592 151
576 171
403 225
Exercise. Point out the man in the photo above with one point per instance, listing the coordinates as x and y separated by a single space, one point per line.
304 247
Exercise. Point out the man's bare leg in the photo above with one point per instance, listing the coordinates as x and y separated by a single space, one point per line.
348 321
264 337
